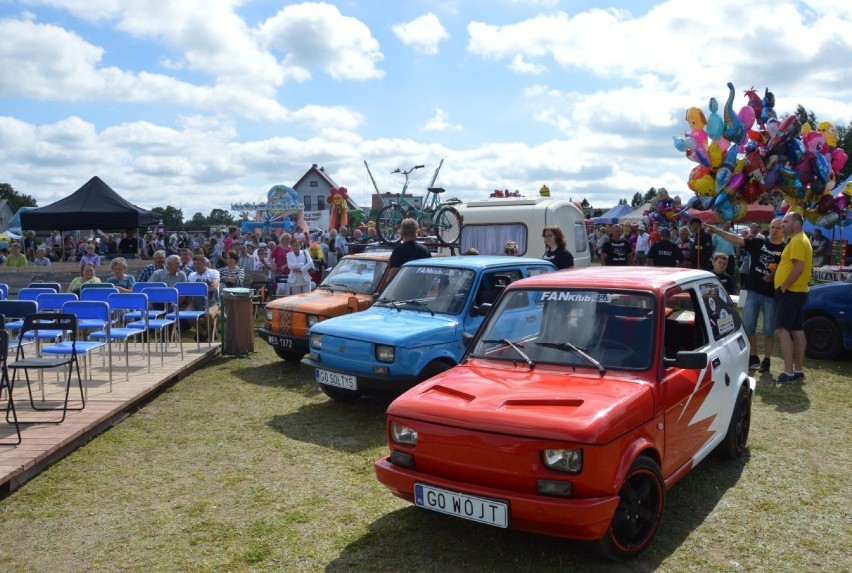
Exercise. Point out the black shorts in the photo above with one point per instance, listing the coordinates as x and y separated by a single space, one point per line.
788 309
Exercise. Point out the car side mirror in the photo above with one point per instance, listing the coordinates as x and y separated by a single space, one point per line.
688 360
481 310
467 338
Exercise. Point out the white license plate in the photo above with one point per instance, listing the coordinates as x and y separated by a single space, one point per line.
483 510
280 342
344 381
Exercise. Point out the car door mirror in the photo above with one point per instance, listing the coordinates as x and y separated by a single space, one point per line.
481 310
688 360
467 338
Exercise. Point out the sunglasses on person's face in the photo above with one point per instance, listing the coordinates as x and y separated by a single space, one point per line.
510 251
547 235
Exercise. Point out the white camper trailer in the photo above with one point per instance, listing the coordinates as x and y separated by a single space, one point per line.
488 224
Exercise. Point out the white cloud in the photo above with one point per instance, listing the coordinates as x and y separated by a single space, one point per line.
520 65
440 122
423 34
318 35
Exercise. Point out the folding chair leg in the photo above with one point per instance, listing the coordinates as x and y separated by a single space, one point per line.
10 408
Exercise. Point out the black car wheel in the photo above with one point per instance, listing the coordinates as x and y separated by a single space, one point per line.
637 517
736 439
288 355
824 339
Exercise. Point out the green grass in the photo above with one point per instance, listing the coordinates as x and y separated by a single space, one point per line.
246 466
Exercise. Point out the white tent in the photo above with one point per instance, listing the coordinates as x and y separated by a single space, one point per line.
636 216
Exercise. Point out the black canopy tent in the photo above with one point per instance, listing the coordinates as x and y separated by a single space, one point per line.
93 206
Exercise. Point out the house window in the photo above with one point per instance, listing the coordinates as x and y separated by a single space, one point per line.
307 201
320 203
313 184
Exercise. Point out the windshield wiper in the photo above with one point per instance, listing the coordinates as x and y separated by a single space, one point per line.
581 352
341 285
420 304
389 302
515 347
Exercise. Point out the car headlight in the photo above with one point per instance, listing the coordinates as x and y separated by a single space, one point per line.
268 314
402 434
311 320
568 460
384 353
316 341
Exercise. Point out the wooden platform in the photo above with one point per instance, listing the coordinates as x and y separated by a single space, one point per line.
44 443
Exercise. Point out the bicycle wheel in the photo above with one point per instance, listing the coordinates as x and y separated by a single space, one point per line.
447 224
387 223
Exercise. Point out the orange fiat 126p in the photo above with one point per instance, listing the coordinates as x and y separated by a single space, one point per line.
582 398
350 287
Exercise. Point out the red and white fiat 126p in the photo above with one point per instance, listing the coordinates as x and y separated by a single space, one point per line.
582 398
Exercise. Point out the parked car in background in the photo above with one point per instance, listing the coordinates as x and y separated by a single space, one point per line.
416 329
348 288
584 397
828 320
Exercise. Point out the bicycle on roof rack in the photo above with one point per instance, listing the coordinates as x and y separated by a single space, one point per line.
437 217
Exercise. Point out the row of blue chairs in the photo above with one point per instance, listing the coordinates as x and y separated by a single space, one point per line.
63 327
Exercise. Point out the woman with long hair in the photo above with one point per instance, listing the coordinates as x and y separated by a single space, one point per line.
556 247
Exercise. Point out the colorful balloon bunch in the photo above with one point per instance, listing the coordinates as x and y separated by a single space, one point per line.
665 209
752 157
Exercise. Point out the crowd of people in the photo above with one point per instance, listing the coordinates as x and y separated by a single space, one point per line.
773 272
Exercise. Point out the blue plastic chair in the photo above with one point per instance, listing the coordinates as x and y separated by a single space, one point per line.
152 312
121 302
161 326
4 291
16 310
91 310
197 291
50 302
96 294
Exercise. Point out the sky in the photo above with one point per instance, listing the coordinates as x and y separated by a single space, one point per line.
199 104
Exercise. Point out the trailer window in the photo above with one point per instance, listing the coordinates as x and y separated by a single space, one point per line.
581 240
490 239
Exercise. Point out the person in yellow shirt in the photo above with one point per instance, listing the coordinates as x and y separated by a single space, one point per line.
16 258
791 294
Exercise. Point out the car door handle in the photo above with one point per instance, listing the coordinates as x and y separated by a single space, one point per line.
716 362
530 318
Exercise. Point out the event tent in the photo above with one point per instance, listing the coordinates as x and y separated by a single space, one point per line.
93 206
612 216
636 216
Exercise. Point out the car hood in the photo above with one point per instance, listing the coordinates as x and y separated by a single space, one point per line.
382 325
569 406
320 302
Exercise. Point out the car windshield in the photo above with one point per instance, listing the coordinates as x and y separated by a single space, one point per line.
569 326
360 276
440 290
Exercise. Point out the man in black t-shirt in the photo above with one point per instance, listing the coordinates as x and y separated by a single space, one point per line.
765 255
409 249
701 245
616 252
664 253
128 246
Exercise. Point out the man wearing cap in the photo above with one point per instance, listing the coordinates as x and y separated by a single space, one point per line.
664 253
700 245
643 243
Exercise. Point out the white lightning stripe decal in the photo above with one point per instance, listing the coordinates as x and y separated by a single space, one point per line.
694 390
